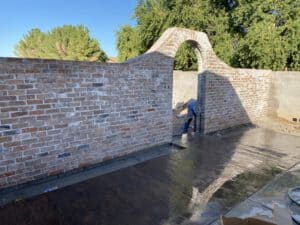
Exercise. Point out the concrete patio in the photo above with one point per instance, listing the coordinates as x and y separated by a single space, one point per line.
192 184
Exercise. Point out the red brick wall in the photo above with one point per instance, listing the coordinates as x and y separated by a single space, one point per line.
57 116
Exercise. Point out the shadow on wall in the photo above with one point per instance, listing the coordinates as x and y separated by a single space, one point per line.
219 105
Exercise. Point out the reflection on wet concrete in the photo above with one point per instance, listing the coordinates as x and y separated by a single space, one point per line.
184 187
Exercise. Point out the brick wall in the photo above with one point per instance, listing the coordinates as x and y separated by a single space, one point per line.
231 97
59 115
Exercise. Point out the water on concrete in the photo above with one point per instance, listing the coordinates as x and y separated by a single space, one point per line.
270 198
187 186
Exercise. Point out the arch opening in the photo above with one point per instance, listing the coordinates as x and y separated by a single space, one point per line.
188 66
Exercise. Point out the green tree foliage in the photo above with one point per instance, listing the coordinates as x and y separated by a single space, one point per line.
128 43
262 47
267 34
66 43
32 45
244 33
185 58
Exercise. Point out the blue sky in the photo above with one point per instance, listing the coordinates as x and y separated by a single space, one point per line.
102 17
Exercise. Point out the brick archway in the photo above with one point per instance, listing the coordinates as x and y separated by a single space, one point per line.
168 44
172 38
228 96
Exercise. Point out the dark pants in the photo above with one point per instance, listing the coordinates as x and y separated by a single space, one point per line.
188 122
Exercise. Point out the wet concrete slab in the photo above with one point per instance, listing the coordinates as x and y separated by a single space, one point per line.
271 197
276 192
62 180
162 186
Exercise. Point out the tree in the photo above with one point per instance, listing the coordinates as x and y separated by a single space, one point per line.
128 43
292 40
243 33
185 58
65 43
266 34
32 45
262 47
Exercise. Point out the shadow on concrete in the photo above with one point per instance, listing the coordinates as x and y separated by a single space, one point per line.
159 191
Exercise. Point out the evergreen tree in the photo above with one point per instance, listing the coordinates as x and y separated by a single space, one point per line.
65 43
32 46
